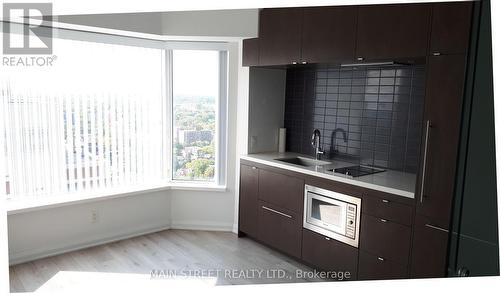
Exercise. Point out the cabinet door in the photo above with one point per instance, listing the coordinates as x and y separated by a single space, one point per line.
429 252
385 239
280 228
329 254
450 28
249 182
329 34
373 267
285 191
442 116
279 36
251 52
392 31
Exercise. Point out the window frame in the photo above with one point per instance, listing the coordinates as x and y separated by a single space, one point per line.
220 137
167 47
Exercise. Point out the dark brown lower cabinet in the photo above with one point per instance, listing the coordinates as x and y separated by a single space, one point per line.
385 239
280 228
430 248
328 254
248 206
372 267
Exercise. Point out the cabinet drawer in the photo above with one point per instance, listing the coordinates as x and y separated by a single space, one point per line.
280 229
284 191
372 267
387 209
385 238
329 254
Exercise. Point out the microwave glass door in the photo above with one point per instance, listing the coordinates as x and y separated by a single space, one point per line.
327 213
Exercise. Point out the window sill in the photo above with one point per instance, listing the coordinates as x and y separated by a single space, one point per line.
34 204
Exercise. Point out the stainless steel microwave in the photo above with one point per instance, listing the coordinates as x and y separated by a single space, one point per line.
332 214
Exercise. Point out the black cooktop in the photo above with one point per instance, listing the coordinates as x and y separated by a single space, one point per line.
356 171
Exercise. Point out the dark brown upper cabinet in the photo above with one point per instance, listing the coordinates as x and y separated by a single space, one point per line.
248 207
280 36
251 52
442 116
392 31
328 34
450 28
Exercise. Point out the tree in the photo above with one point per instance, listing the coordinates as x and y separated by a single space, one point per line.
201 168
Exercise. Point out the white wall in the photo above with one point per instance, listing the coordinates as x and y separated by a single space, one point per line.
51 231
267 107
211 23
239 23
149 23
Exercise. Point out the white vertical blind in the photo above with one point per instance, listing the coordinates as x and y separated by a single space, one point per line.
93 120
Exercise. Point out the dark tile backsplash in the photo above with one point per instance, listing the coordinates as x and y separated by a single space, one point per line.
366 115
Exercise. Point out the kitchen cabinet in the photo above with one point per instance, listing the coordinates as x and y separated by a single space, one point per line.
280 228
385 239
442 116
251 52
388 209
328 254
248 207
430 246
450 28
392 31
436 179
285 191
280 36
306 35
373 267
273 199
328 34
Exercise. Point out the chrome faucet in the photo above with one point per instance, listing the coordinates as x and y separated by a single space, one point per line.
316 143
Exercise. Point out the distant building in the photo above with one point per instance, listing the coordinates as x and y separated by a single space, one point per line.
190 136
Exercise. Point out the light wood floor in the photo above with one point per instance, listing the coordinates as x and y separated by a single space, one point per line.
214 254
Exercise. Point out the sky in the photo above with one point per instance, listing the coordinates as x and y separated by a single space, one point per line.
195 73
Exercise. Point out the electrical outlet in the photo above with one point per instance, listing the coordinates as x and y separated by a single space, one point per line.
94 217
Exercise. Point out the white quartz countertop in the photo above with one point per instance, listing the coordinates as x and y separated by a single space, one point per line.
389 181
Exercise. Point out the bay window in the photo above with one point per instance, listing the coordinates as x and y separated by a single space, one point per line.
125 113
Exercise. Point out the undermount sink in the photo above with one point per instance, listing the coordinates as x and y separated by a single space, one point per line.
303 161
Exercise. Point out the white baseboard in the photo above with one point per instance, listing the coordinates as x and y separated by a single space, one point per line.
34 254
202 225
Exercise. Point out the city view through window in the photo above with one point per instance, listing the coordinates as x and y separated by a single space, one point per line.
195 94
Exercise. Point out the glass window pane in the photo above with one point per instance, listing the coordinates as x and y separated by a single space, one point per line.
92 120
195 95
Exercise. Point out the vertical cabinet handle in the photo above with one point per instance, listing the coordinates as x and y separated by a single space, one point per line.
424 165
